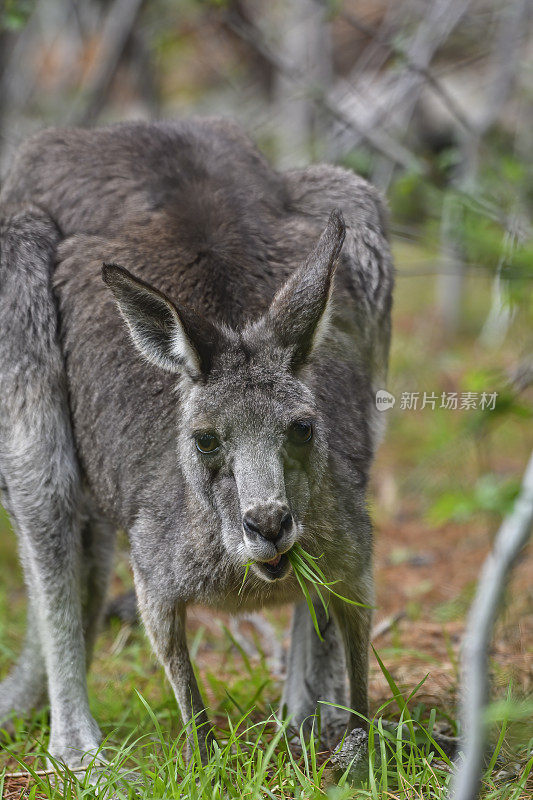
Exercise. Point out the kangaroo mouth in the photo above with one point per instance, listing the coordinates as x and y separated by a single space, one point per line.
274 569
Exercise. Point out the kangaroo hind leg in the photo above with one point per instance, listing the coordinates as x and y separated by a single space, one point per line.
24 688
316 676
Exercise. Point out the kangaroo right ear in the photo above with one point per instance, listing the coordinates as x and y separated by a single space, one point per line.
168 335
298 312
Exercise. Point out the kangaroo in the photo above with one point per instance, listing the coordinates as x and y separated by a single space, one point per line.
190 347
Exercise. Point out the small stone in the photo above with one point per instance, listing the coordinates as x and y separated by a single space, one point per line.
352 754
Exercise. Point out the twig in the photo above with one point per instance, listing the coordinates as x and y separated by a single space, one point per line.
512 536
268 636
122 638
247 646
385 625
24 774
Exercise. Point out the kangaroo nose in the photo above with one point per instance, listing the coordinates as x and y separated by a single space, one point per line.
269 523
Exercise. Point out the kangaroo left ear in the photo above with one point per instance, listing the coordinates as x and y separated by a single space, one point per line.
298 312
169 335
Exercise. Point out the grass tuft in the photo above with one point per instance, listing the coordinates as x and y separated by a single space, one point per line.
263 759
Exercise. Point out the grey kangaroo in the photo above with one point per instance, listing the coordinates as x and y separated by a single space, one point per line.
223 412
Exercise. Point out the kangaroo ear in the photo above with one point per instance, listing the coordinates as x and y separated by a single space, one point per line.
168 335
298 312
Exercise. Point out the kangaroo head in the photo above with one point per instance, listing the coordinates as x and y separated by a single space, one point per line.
251 442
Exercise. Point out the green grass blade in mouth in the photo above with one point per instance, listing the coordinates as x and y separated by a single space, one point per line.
310 605
246 571
306 569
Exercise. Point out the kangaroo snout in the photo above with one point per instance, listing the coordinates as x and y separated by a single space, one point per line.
267 521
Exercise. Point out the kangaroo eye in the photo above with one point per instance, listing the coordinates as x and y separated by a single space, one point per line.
301 432
207 442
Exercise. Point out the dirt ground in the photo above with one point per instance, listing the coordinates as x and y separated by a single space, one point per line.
435 581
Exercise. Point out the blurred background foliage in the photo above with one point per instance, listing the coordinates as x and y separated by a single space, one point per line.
432 102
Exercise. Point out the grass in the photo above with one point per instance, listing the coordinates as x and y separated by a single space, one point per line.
261 759
307 571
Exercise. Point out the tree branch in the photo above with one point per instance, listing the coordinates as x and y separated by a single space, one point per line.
400 93
377 139
397 50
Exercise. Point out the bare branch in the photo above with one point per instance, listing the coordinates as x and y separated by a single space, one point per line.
450 285
269 641
510 539
303 40
385 625
377 139
402 90
506 56
393 48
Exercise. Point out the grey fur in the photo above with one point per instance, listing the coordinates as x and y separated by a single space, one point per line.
227 293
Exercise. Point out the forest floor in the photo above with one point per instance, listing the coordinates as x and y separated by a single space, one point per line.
441 482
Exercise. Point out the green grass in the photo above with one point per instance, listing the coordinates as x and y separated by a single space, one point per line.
312 580
258 758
